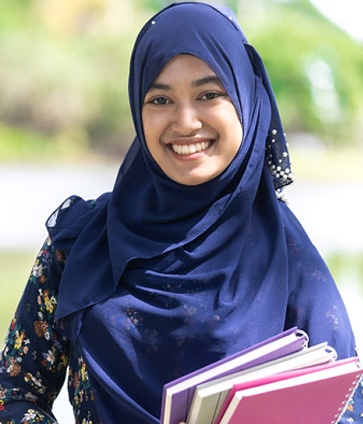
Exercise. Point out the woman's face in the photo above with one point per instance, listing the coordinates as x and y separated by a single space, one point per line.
190 124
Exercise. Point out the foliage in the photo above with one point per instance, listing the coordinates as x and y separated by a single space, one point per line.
63 79
316 71
65 87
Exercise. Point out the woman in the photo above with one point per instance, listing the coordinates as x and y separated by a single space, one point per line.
192 257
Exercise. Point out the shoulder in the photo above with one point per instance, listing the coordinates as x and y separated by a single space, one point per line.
48 266
307 268
66 223
296 236
70 208
301 251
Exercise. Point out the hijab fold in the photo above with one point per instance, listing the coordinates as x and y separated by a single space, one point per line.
149 218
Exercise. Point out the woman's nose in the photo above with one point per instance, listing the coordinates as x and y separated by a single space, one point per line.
186 120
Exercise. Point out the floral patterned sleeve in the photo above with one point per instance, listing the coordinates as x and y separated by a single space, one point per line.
35 357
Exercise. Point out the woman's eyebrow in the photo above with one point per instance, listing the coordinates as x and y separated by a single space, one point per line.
210 79
159 86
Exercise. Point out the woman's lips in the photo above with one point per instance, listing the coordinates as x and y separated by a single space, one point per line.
189 149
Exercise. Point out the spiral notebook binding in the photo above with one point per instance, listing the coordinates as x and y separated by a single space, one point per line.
305 336
346 400
330 349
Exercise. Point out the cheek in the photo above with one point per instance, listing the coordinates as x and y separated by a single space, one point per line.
154 122
232 131
150 130
237 135
236 128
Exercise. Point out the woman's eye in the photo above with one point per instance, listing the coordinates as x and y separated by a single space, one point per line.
210 96
159 101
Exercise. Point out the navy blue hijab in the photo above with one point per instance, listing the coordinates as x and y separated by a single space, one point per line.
167 277
147 214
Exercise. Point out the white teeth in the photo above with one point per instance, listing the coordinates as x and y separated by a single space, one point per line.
189 149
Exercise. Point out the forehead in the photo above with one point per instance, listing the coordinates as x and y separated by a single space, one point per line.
186 67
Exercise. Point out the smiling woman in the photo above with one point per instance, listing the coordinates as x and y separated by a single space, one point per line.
192 257
191 126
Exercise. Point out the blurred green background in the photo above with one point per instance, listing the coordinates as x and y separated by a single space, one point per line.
63 96
64 66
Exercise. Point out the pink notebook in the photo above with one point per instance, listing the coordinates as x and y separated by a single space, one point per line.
312 395
178 394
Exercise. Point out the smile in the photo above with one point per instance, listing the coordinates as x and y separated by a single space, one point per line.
189 149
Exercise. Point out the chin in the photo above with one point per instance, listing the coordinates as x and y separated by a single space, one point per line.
194 181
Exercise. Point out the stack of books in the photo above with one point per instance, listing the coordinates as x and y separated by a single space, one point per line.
280 380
